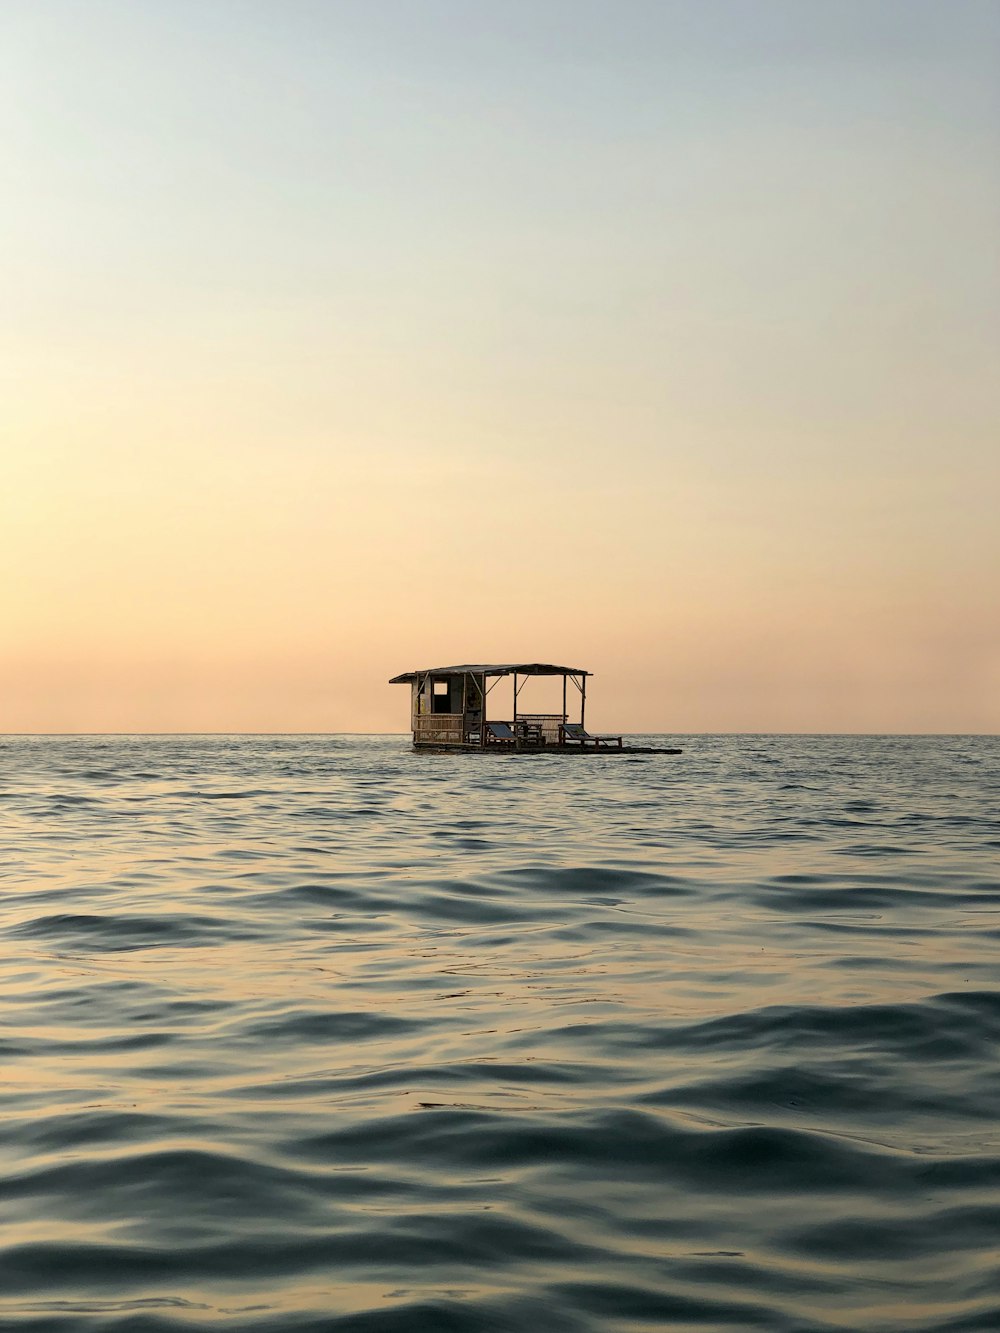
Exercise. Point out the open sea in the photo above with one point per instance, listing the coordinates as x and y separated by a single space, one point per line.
314 1033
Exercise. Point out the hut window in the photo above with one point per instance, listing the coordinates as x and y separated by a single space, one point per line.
442 696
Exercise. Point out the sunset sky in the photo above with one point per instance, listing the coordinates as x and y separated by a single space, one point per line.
343 337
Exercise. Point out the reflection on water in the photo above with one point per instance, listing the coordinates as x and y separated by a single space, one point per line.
315 1033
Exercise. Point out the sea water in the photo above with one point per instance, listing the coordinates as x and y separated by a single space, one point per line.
315 1033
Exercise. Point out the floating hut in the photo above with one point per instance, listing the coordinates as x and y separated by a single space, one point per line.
450 709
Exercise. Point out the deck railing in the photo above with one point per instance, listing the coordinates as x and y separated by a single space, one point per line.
543 725
459 729
438 729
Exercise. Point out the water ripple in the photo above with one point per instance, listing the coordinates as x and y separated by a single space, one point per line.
312 1033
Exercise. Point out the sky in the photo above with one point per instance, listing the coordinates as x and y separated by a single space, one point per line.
342 338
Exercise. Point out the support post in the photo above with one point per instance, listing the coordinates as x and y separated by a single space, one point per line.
481 687
583 699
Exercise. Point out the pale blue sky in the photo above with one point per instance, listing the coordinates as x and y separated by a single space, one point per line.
707 291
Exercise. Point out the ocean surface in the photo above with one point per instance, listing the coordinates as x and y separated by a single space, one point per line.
313 1033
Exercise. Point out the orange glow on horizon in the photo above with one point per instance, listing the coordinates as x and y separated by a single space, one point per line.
694 387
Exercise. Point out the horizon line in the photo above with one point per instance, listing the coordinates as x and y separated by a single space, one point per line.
67 734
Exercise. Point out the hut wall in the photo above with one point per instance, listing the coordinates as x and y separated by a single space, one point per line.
437 728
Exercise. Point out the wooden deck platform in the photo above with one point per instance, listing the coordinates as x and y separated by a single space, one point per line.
610 751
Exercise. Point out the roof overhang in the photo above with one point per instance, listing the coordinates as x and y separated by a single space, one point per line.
491 669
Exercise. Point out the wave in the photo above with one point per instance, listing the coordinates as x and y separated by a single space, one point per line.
309 1034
